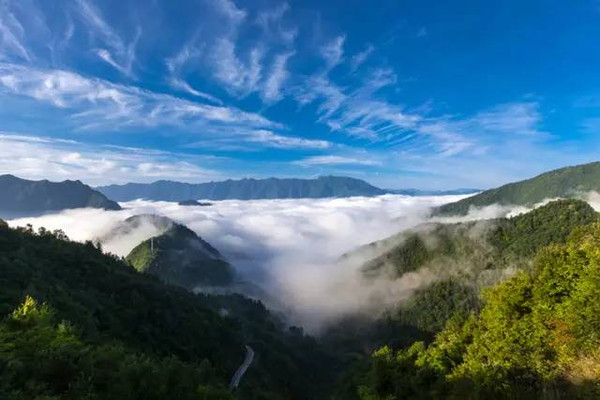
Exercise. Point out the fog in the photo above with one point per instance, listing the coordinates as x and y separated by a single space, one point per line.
290 248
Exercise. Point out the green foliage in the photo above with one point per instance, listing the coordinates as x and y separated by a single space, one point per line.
565 182
108 303
429 308
42 359
537 336
178 256
525 234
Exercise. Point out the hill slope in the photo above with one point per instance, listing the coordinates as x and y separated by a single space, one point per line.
124 330
180 257
245 189
565 182
453 263
20 196
536 337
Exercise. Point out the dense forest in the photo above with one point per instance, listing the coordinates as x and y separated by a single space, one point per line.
180 257
536 336
466 258
77 318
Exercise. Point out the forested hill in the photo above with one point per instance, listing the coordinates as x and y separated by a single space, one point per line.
95 328
561 183
21 197
537 336
454 263
244 189
181 257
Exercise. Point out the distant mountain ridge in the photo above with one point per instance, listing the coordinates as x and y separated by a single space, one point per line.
244 189
560 183
21 196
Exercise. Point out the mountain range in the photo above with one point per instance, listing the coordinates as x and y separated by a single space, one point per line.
244 189
19 197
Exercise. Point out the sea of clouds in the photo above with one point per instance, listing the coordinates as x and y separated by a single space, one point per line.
289 248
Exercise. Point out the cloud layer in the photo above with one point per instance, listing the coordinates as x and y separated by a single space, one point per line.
290 248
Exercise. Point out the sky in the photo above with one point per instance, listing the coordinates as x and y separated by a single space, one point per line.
414 93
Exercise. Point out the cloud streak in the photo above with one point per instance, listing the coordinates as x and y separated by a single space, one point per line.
97 103
46 158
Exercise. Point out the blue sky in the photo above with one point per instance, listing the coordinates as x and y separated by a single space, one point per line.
426 94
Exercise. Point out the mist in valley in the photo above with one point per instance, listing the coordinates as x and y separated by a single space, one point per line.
301 253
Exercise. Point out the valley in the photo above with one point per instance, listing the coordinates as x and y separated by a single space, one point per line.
342 313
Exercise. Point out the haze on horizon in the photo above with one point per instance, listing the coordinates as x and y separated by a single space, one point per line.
405 94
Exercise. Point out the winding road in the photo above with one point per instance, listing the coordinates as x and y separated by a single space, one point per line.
235 380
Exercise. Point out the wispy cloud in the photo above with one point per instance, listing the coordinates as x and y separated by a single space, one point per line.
271 139
271 22
175 64
277 76
240 77
333 52
501 125
228 9
256 139
358 112
47 158
115 46
12 35
335 160
359 58
97 103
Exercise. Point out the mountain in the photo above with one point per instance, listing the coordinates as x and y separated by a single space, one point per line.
20 197
194 203
449 264
535 337
177 255
78 323
245 189
561 183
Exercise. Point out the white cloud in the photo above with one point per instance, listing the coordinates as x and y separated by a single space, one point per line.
267 242
97 103
511 119
335 160
253 140
101 29
12 35
333 52
229 9
271 22
359 112
278 75
271 139
239 77
46 158
500 126
359 59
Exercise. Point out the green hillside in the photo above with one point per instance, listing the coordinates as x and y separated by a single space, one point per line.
95 328
484 245
178 256
561 183
537 336
457 261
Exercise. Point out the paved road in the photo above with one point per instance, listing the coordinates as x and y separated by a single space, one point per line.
235 380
